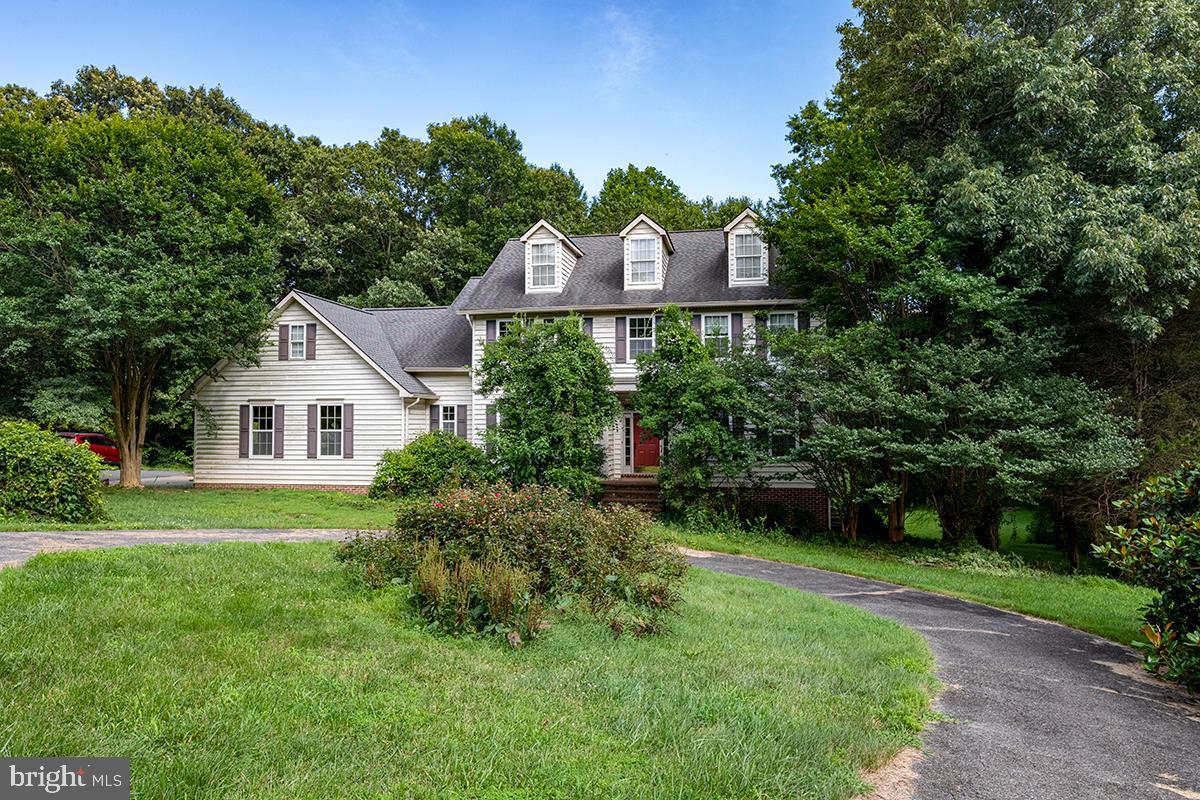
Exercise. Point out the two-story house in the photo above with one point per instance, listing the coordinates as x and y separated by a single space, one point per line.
336 386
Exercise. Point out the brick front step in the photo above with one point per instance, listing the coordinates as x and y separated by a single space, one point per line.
642 492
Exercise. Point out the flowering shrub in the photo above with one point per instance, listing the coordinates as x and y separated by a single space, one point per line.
559 548
1162 550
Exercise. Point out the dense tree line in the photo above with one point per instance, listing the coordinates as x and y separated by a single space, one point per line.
995 217
147 219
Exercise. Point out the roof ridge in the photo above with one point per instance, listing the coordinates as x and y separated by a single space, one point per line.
590 235
334 302
403 308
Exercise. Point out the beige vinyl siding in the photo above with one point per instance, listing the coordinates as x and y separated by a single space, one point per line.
479 402
452 388
337 375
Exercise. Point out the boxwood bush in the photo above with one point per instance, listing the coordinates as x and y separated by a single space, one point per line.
428 463
556 551
43 475
1161 550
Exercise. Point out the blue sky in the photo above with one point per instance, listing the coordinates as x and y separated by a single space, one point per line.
701 90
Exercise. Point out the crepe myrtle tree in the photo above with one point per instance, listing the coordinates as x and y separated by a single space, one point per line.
145 247
555 401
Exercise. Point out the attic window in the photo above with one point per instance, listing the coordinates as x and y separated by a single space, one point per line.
542 265
747 250
641 261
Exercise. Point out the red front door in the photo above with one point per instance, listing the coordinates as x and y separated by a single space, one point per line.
645 446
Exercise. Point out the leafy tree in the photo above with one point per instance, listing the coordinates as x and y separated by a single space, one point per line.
440 262
826 407
144 248
388 293
718 215
556 400
631 191
477 180
694 405
1057 145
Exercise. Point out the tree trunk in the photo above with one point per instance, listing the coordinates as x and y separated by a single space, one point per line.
132 384
951 517
850 521
896 511
1071 539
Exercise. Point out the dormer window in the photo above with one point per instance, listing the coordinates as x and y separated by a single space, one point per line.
748 260
642 259
747 251
550 258
542 264
648 248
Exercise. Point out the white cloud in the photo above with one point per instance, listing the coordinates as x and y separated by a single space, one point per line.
626 45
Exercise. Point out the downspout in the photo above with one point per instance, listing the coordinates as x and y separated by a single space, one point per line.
407 407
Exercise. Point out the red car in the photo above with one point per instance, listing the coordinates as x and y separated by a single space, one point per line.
99 444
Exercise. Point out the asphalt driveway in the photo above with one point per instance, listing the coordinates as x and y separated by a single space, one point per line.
17 548
152 478
1037 711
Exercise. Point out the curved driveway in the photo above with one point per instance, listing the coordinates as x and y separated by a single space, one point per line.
1037 711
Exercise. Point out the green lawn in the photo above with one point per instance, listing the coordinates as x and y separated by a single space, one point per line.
131 509
247 670
1016 536
1089 602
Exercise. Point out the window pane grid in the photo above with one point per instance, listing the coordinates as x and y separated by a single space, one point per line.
781 321
449 419
330 428
542 264
296 341
641 335
641 261
716 331
262 430
747 251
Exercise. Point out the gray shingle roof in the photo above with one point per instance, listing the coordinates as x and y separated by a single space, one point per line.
427 338
363 329
696 273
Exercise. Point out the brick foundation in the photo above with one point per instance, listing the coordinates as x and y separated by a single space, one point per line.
788 506
324 487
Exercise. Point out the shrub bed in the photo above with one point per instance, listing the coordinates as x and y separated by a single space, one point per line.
1161 550
430 462
43 475
492 559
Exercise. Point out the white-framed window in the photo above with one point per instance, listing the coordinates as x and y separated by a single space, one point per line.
449 422
262 430
329 426
780 321
503 326
747 256
542 264
642 254
641 335
296 342
715 332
